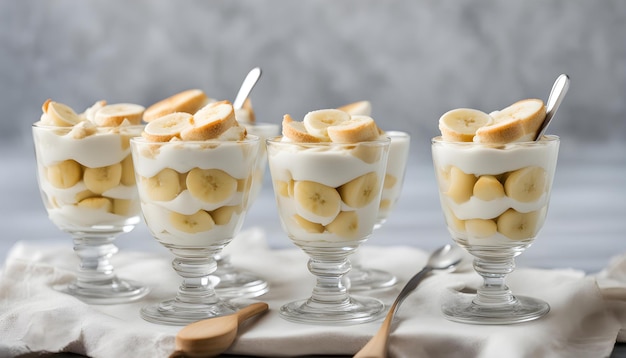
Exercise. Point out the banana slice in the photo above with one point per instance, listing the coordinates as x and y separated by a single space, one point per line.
189 101
125 207
461 185
65 174
480 228
517 122
317 122
461 124
316 202
526 185
296 131
200 221
90 113
390 181
385 204
211 185
128 171
488 188
113 115
101 179
360 191
282 188
363 108
223 214
454 223
164 186
518 226
166 128
210 121
308 226
356 129
62 115
96 203
346 225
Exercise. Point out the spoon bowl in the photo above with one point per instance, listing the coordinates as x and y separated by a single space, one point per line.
211 337
446 257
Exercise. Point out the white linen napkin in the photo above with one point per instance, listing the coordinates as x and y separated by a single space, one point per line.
612 282
34 317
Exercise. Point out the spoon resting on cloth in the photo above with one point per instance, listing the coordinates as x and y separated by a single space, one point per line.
246 87
211 337
445 257
559 89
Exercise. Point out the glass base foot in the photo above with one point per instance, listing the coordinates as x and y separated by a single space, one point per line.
239 284
174 313
462 309
113 292
363 279
357 310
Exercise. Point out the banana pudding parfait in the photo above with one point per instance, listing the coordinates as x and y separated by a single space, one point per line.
231 281
494 183
194 173
360 277
328 172
87 182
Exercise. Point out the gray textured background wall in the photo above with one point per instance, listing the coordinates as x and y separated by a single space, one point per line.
413 60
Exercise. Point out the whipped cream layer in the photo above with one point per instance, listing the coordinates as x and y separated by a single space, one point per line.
236 159
499 161
263 131
331 165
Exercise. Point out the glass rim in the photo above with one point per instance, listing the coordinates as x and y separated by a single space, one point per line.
52 126
277 140
250 138
545 139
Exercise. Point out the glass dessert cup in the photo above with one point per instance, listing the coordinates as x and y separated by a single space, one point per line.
495 200
88 187
328 196
234 282
193 199
362 278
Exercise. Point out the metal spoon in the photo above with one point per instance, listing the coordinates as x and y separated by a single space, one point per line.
246 87
211 337
559 89
445 257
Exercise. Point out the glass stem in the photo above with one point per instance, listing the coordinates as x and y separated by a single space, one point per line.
329 288
196 287
95 268
494 291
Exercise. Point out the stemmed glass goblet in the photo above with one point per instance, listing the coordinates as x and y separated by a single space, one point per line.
87 183
193 198
495 200
360 277
328 196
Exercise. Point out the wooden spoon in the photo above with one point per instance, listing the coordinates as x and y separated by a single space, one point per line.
211 337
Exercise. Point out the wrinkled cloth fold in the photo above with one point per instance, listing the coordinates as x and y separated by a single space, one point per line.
584 319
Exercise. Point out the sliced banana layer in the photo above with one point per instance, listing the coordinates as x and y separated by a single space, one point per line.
168 127
316 202
527 184
518 226
356 129
345 225
461 124
317 122
99 180
296 131
211 185
114 115
210 122
164 186
60 114
360 191
517 122
65 174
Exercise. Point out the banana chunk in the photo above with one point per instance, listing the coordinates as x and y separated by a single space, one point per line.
296 131
164 186
461 185
317 122
113 115
488 188
168 127
128 171
517 122
101 179
360 191
527 184
518 226
211 185
461 124
480 228
62 115
390 181
65 174
97 203
345 225
308 226
356 129
316 200
223 214
210 122
200 221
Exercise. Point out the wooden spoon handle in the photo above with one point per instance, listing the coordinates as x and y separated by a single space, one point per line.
251 310
376 347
